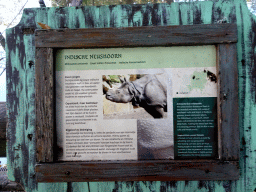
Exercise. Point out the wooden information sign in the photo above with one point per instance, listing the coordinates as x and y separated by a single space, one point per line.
137 104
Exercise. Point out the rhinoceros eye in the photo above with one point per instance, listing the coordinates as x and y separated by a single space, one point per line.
117 91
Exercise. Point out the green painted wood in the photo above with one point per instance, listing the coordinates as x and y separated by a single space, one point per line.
20 55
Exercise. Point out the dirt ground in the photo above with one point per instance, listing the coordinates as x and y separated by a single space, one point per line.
138 113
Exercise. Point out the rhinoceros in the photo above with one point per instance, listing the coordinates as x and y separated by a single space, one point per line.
149 92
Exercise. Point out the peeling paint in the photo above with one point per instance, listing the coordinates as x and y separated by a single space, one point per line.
21 97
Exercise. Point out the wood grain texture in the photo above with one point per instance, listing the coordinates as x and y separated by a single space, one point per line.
20 80
45 119
228 102
141 170
137 36
137 171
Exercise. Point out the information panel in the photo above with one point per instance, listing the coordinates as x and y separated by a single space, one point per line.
195 123
136 103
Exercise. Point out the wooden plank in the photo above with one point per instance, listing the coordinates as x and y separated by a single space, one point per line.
129 15
137 36
137 171
228 101
44 85
46 97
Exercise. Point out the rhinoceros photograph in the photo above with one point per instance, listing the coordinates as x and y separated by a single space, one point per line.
142 94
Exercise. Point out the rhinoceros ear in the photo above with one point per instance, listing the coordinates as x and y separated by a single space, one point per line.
122 79
136 95
131 90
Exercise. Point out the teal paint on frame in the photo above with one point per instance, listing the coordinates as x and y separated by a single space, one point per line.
20 85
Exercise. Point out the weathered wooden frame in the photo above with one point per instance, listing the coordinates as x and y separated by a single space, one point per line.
226 167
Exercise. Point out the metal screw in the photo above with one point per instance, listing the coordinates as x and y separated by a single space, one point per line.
224 96
67 173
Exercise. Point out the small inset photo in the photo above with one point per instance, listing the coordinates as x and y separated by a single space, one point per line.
135 96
